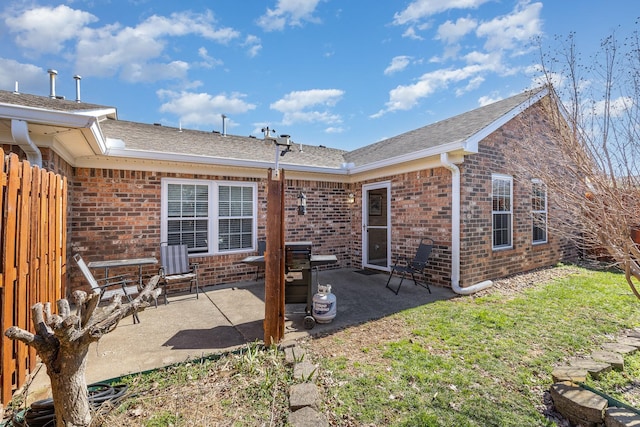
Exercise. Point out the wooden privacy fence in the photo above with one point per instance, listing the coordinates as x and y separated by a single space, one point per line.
33 261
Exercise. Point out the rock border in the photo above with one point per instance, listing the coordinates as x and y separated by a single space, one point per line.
584 407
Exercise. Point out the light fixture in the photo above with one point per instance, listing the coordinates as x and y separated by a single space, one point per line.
302 204
351 198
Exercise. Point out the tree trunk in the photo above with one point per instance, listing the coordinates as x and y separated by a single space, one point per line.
62 341
69 387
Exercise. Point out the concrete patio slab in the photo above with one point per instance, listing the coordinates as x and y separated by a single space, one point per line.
226 317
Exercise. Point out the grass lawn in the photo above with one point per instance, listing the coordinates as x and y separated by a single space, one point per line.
471 361
474 361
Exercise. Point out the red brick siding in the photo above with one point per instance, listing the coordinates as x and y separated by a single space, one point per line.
116 214
479 261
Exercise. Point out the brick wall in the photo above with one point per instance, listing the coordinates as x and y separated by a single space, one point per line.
116 214
479 261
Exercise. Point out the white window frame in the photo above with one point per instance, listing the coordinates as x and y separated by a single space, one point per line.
213 214
539 212
494 212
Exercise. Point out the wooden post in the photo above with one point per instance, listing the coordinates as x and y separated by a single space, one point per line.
274 261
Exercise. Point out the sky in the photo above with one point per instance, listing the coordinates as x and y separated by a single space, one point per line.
343 74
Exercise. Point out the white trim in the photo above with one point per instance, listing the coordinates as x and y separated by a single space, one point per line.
471 143
212 220
536 181
113 150
455 232
50 117
509 178
365 215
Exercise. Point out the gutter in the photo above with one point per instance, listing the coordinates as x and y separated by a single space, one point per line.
455 232
20 134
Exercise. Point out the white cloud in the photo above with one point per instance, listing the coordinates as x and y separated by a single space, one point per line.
473 84
309 106
132 50
333 129
420 9
29 77
207 60
615 107
254 45
406 97
410 33
450 32
486 100
46 29
288 12
398 63
202 108
513 30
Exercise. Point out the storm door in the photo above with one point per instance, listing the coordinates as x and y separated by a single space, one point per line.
376 225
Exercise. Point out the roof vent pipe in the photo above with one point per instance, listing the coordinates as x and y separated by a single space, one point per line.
52 83
224 125
77 78
16 91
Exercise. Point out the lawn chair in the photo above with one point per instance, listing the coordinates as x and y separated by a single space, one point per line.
262 247
175 267
415 266
109 287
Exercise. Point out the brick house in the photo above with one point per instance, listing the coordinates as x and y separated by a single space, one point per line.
134 185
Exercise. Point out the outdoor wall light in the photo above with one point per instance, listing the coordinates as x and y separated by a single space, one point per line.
302 204
351 198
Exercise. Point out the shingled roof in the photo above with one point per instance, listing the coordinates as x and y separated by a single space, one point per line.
55 104
453 129
183 142
157 139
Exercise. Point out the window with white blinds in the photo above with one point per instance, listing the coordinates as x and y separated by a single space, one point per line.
539 211
209 216
502 212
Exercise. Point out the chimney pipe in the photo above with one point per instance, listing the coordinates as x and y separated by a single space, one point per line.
77 79
224 125
52 83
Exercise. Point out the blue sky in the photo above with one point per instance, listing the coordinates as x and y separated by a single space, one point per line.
327 72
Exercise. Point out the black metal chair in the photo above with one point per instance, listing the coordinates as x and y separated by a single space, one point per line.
415 266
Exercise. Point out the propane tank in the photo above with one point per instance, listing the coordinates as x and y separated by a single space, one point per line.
324 304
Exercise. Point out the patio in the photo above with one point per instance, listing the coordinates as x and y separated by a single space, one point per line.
229 316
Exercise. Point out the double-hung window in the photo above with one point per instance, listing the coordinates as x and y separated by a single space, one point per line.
538 211
209 216
502 211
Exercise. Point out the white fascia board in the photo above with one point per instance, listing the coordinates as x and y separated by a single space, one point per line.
471 143
110 113
46 117
100 146
393 161
115 151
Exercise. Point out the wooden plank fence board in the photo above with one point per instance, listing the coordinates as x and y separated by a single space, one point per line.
33 257
10 304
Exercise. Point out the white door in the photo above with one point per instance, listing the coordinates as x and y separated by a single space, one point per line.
376 225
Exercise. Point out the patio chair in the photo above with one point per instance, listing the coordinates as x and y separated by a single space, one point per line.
175 267
262 247
109 287
415 266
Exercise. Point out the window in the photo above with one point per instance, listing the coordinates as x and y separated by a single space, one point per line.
209 216
502 212
539 211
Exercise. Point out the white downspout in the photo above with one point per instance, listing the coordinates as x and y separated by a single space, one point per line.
20 134
455 232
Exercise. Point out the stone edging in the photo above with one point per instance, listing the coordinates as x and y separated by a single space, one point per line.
582 406
304 397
